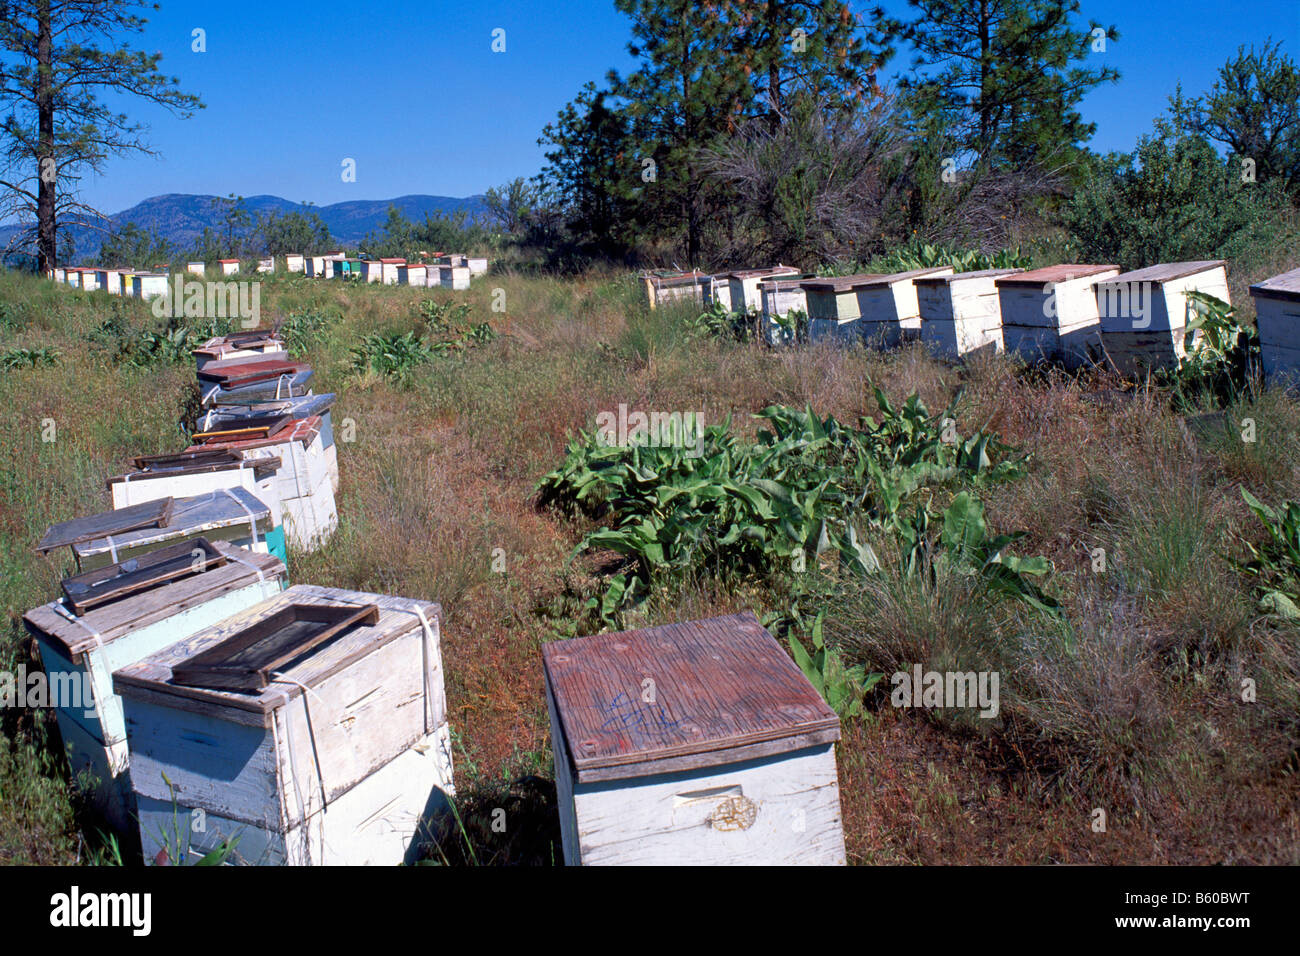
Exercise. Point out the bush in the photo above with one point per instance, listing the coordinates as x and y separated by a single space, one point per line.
1174 199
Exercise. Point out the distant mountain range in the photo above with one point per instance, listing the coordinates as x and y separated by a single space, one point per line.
181 218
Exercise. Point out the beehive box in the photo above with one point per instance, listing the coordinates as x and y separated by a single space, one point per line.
372 270
60 275
665 287
232 416
110 280
1051 313
88 647
227 514
778 298
183 478
960 312
293 262
389 270
199 269
72 276
888 307
412 273
743 286
266 265
338 759
477 265
1277 316
695 743
349 269
256 344
90 279
303 479
228 266
147 285
1143 314
833 308
717 291
453 276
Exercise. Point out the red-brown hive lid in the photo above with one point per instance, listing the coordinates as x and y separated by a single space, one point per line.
1050 275
680 696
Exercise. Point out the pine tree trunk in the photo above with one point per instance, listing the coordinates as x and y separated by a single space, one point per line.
46 224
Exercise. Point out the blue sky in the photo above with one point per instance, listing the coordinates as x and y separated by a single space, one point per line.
414 94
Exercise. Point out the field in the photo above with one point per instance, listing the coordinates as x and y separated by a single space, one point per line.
1130 704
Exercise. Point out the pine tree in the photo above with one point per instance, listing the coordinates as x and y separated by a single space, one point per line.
1006 76
52 77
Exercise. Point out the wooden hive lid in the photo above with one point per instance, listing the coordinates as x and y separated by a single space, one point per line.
1050 275
1284 286
839 283
147 514
762 273
189 516
724 691
1166 271
151 678
795 281
304 430
910 275
200 467
126 615
962 276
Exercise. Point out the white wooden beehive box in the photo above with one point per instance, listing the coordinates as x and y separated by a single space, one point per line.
743 285
960 312
1277 316
888 307
226 514
117 631
304 479
698 743
833 308
1143 314
340 758
1051 313
777 299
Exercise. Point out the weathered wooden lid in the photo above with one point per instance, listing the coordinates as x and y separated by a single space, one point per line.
151 678
264 463
911 275
761 273
189 516
839 283
1166 271
783 285
677 278
1284 286
962 276
119 618
304 430
721 690
1049 275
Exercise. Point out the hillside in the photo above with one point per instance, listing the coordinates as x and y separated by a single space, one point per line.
181 217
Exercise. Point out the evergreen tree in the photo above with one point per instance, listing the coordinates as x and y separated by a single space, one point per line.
1006 76
53 73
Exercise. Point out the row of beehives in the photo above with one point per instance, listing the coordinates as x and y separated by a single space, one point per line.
444 271
1074 314
310 723
204 698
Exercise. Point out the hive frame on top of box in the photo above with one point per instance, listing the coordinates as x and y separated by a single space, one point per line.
126 630
338 760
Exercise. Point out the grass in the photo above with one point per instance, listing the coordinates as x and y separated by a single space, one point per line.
1132 703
